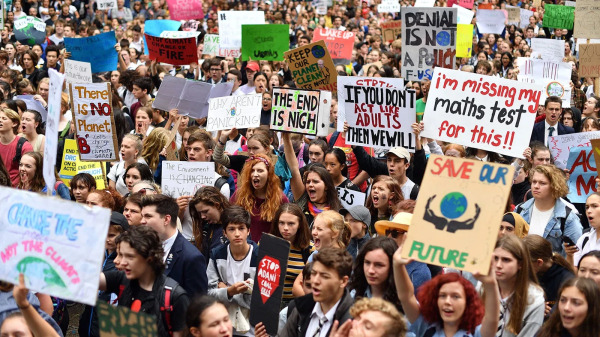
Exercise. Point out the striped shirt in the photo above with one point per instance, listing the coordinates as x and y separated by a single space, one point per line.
294 268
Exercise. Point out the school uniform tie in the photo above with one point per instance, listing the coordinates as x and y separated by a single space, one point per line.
322 321
550 134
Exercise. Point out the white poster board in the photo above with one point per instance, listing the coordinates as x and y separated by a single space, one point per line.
184 178
78 72
350 198
553 77
104 5
490 21
548 49
230 26
212 47
561 145
241 111
52 120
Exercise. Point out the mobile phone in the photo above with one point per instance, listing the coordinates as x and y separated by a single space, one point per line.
568 240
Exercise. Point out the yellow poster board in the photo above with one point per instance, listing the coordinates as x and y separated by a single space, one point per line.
464 40
458 213
71 165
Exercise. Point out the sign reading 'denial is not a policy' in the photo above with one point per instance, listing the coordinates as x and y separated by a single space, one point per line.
484 112
457 218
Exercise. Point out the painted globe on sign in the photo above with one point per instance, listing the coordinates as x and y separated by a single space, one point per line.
318 51
453 205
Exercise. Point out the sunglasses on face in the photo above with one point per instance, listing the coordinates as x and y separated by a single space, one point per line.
394 233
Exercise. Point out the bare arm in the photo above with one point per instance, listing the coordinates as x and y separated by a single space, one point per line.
405 288
296 183
35 322
297 290
360 178
45 303
102 285
489 324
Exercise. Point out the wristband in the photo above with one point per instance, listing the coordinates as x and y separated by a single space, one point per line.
23 308
221 142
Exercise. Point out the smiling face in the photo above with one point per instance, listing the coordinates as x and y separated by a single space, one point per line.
27 169
133 213
288 226
259 176
315 187
322 234
452 302
131 177
505 265
376 268
573 308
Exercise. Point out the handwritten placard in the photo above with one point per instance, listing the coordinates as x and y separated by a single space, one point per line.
120 321
312 67
91 105
185 9
464 40
175 51
391 30
104 57
78 72
265 42
71 166
212 47
30 30
582 173
295 110
181 178
52 120
241 111
350 198
548 49
490 21
388 6
230 26
104 5
558 16
561 145
589 60
339 43
587 25
553 77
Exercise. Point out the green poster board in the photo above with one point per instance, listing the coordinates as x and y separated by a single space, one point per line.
559 16
265 42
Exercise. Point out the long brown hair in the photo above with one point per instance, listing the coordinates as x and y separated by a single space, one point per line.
540 248
302 238
395 195
245 193
210 196
153 145
37 183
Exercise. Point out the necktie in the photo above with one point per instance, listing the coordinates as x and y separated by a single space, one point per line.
322 321
550 134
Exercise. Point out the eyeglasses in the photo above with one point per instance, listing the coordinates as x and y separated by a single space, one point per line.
215 69
143 190
394 232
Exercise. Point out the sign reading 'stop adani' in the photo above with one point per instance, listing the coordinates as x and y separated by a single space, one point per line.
457 216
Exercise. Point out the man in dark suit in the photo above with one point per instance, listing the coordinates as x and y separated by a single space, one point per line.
184 262
550 126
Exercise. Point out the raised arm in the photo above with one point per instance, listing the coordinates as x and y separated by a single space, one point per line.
35 322
489 324
296 183
219 155
404 287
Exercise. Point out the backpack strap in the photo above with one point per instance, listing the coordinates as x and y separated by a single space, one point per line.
305 254
167 307
333 139
220 182
19 152
430 331
563 221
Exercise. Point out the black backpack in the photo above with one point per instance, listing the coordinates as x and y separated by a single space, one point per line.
19 152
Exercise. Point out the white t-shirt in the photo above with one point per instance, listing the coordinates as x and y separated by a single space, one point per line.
235 268
116 174
539 220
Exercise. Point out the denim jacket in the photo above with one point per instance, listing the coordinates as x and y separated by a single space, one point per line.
552 233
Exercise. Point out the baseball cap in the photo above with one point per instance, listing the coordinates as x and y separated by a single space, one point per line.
253 66
400 152
358 212
119 219
400 221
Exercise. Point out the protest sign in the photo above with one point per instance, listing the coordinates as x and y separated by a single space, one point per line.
175 51
268 282
180 178
78 72
490 21
44 238
560 146
211 47
104 56
424 3
391 30
379 113
189 97
178 34
105 5
389 6
552 76
312 67
525 15
596 148
582 174
156 27
457 213
296 110
52 120
537 3
464 16
464 40
468 4
190 26
240 112
339 43
185 9
33 104
350 198
71 166
91 105
429 41
570 3
485 6
589 60
587 26
230 26
548 49
30 30
484 112
558 16
120 321
265 42
514 15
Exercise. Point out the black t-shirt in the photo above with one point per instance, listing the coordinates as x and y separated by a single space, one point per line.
347 184
179 299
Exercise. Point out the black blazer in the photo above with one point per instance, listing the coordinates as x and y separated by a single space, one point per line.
539 131
186 265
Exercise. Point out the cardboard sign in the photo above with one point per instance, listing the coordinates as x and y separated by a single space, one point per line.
548 49
464 40
389 6
558 16
321 7
490 21
265 42
514 15
350 198
242 111
587 25
583 174
553 77
78 72
175 51
120 321
484 112
468 4
457 218
105 5
211 47
296 110
156 27
589 60
94 120
230 26
391 30
185 9
30 30
190 97
71 166
429 41
525 15
312 67
44 238
560 146
379 113
181 178
268 283
596 148
52 120
465 16
339 43
104 57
